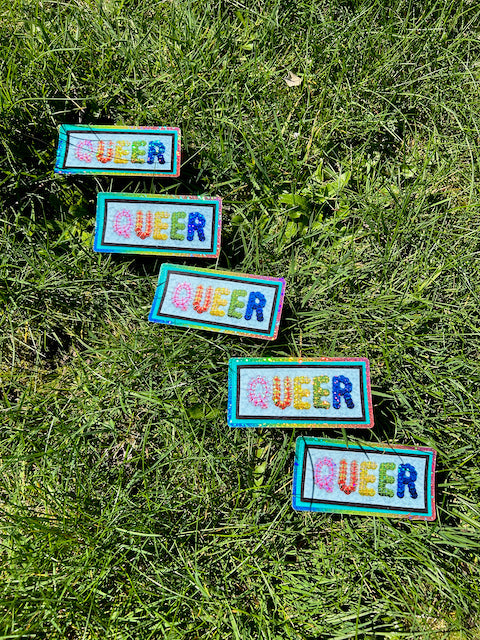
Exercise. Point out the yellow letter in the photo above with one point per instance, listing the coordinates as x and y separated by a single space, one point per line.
299 393
218 301
158 225
120 152
366 478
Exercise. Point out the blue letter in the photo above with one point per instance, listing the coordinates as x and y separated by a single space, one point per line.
196 226
257 301
345 391
403 479
156 148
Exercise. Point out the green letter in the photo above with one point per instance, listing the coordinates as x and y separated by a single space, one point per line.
319 392
137 152
235 303
177 226
384 479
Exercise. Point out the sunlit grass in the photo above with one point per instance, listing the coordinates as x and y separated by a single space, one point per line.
130 509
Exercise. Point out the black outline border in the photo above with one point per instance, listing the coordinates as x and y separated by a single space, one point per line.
304 420
365 506
123 170
211 249
192 322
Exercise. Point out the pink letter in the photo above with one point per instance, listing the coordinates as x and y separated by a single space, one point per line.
327 481
120 227
84 156
258 399
182 301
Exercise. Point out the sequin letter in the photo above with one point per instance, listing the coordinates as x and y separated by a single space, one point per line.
156 149
159 225
84 156
121 152
196 222
299 392
407 474
319 392
139 225
384 479
177 226
341 386
277 392
218 301
342 476
236 303
366 478
181 300
122 223
325 482
256 302
101 157
197 303
137 151
256 398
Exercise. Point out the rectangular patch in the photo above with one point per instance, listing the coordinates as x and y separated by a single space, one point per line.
299 392
119 151
379 479
186 226
236 303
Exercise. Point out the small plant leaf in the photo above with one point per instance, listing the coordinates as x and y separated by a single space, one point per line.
294 200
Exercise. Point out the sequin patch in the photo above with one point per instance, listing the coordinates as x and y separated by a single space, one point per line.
320 479
117 150
216 301
166 225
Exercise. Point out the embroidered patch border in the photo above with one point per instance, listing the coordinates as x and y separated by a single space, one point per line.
317 486
260 298
118 150
304 382
114 209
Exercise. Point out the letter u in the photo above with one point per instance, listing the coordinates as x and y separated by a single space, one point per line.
277 392
101 151
197 303
139 225
342 477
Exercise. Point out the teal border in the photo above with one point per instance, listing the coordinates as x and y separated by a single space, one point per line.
233 421
173 251
300 505
226 275
64 129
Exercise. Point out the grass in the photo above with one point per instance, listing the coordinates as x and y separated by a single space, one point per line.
129 508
